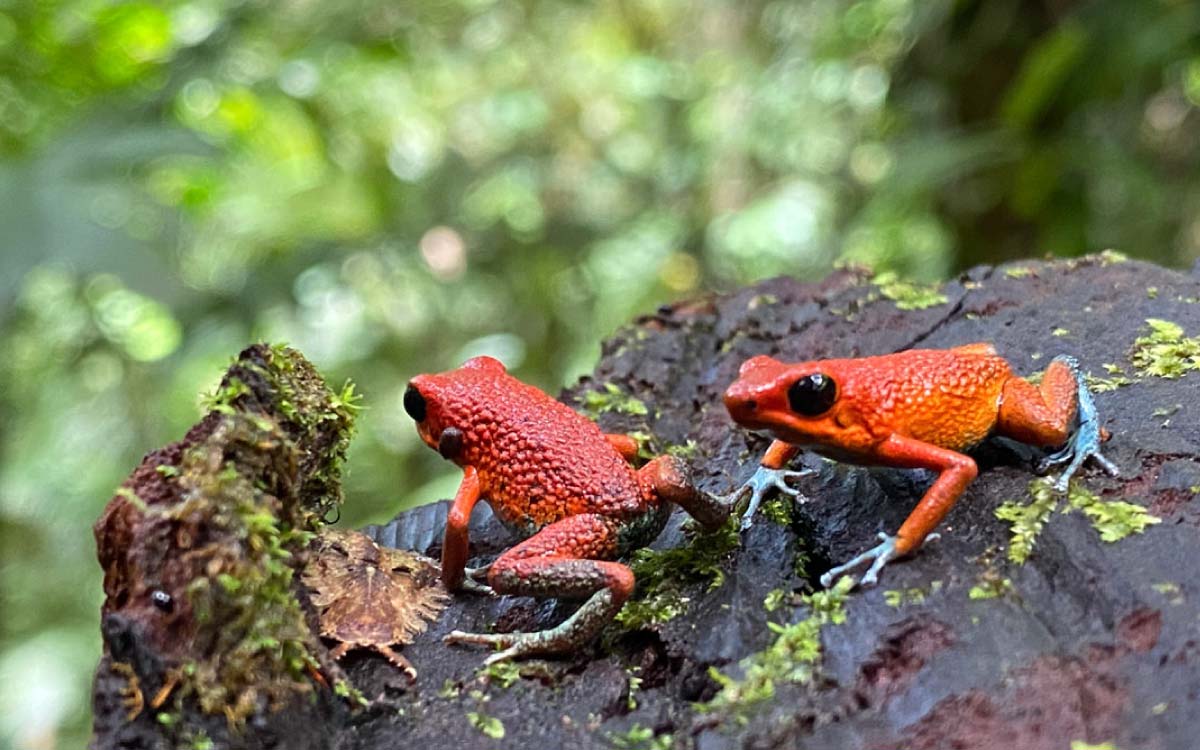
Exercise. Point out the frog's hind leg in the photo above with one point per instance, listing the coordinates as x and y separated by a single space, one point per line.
670 480
568 559
1042 416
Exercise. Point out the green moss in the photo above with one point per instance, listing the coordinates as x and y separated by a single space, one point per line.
503 674
686 451
662 574
489 726
639 737
775 599
1165 352
778 510
908 295
1112 519
232 515
899 597
635 684
1117 378
1028 519
990 586
344 689
613 399
1019 272
277 382
449 689
792 657
1084 745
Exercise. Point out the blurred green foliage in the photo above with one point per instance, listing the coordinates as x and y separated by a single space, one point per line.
393 187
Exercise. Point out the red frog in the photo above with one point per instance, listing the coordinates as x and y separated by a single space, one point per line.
913 409
552 477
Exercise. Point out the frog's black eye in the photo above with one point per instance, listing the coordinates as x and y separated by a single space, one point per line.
414 403
812 395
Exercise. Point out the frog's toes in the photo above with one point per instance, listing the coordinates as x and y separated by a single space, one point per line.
472 586
879 556
761 484
478 639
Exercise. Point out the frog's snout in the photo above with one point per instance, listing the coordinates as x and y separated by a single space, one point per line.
740 403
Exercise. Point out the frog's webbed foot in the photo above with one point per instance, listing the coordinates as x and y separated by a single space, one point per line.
760 484
879 555
571 634
1085 442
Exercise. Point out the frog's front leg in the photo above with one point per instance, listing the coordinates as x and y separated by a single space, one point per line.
770 475
956 472
568 559
455 543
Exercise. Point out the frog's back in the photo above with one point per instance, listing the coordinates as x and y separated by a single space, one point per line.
538 460
947 397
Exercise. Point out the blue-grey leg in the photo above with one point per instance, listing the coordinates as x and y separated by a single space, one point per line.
1084 442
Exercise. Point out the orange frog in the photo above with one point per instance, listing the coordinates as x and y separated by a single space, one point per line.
552 477
913 409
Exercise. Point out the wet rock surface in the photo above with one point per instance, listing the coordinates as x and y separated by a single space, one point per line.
957 647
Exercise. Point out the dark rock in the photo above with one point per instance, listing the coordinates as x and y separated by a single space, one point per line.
1094 642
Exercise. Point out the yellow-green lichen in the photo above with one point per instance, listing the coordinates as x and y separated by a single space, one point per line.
1170 590
662 574
792 657
1112 519
990 586
1085 745
1165 352
1018 272
908 295
900 597
612 398
489 726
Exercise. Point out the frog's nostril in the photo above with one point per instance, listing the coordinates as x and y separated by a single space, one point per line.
751 405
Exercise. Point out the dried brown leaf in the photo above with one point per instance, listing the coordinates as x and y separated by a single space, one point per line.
372 597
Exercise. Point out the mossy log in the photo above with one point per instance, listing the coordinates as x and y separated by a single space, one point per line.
1086 638
205 629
